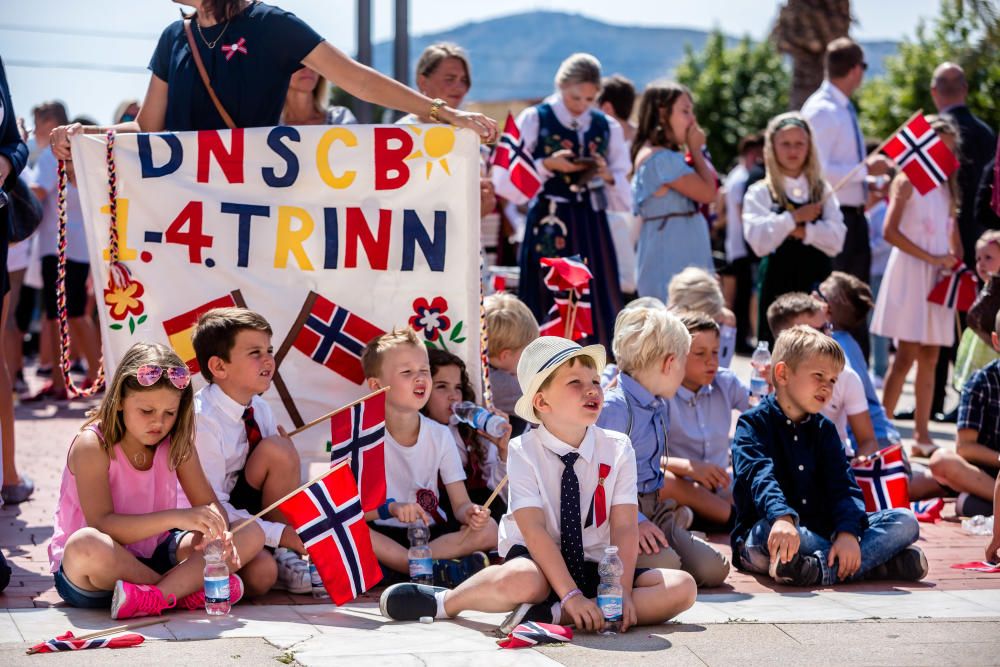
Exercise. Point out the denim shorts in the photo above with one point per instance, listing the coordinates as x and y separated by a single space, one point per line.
163 559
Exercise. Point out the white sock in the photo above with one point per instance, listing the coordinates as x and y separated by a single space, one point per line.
439 598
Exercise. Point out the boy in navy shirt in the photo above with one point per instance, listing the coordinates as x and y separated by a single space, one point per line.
800 516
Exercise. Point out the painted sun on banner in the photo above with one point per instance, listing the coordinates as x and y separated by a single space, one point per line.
358 223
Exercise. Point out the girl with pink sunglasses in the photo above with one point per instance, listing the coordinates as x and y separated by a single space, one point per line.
120 540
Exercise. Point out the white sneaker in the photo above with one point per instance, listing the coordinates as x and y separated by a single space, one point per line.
293 572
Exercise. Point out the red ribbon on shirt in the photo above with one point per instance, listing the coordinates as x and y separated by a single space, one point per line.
231 49
599 507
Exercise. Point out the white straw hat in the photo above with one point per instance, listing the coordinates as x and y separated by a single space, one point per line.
539 359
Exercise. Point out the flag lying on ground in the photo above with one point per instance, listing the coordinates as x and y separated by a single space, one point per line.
883 481
180 327
531 634
333 336
978 566
328 517
956 290
516 178
928 511
358 436
920 153
67 642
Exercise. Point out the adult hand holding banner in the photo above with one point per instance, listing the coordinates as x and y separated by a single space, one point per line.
333 234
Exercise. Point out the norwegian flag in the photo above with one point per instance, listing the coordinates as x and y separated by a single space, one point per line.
921 154
328 517
566 273
556 320
928 511
531 633
883 481
515 177
335 337
67 642
956 290
358 436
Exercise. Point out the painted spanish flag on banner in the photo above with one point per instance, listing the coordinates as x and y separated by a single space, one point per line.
180 328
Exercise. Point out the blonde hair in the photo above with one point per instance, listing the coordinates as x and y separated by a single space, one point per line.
988 237
435 54
509 323
695 289
812 169
801 343
645 336
579 68
645 302
374 352
787 307
108 415
944 126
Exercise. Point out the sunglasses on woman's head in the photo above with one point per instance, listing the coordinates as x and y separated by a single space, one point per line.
150 374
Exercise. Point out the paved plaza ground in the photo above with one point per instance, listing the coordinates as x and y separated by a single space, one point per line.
953 617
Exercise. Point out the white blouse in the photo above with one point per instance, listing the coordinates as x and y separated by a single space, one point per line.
765 230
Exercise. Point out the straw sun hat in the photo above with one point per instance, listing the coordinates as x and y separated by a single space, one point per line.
540 358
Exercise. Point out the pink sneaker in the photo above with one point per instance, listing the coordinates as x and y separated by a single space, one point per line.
134 600
196 600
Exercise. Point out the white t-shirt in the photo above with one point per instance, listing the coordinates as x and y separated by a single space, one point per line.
46 177
848 399
409 469
535 473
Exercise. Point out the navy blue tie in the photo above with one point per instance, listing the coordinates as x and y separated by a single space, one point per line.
570 525
859 141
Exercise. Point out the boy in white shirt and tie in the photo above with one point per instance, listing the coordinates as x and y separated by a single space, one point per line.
572 494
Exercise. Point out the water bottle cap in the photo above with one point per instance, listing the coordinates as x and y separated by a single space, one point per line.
611 550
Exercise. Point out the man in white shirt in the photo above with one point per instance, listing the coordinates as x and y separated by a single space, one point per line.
737 278
841 146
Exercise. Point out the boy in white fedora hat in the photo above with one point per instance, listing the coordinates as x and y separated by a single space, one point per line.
572 494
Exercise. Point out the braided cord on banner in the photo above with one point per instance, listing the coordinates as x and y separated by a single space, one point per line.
484 351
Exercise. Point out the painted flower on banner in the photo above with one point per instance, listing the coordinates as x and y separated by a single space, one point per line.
429 318
124 302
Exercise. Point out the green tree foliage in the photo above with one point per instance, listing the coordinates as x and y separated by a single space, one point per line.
967 33
736 91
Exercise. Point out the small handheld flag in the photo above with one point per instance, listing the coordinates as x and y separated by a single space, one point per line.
883 481
515 176
358 436
956 290
920 153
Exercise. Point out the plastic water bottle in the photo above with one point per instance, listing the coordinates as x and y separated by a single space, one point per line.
978 525
216 580
609 592
759 362
480 418
419 554
319 590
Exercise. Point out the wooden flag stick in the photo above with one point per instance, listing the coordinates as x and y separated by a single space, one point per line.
570 314
842 182
322 419
288 495
112 631
486 506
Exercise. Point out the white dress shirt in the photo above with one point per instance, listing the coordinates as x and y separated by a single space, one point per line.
837 138
221 439
765 230
736 187
846 400
619 164
535 472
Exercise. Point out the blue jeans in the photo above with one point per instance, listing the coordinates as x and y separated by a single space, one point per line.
888 533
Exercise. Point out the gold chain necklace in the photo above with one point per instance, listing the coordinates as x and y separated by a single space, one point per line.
210 45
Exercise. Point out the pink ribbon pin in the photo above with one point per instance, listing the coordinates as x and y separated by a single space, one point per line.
231 49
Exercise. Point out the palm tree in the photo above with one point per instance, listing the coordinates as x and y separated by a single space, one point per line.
803 29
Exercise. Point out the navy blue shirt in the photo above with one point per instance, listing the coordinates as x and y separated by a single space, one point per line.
251 85
782 468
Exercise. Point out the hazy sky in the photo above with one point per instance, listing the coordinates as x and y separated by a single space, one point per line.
109 42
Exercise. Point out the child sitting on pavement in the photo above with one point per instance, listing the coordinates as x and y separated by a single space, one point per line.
800 516
558 473
972 468
510 326
418 452
249 460
651 345
973 352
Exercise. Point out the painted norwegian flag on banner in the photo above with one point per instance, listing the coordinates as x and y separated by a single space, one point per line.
884 482
328 517
358 435
518 179
333 336
921 154
566 273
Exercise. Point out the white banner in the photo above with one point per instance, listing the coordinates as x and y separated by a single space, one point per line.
331 233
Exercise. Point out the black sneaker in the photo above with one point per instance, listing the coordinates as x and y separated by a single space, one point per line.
4 572
910 564
543 612
409 602
800 571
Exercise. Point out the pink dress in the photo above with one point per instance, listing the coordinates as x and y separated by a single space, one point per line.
132 492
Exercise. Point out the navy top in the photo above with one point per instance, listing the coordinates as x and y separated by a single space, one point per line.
554 136
249 68
783 468
12 148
